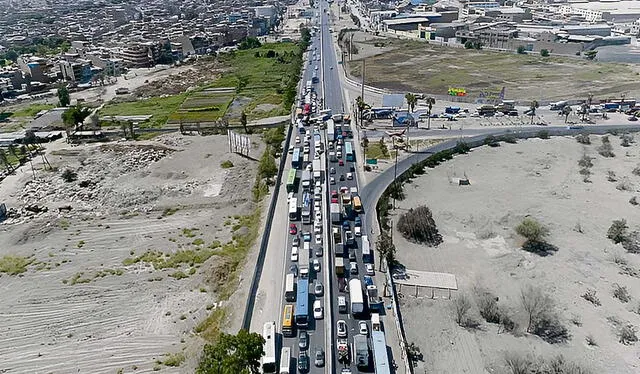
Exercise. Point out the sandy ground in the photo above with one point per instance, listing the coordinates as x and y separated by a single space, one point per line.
538 178
123 316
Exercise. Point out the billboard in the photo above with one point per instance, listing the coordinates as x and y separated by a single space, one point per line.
238 143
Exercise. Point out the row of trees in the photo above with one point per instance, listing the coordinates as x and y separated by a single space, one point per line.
233 354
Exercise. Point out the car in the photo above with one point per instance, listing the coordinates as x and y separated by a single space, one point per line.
319 239
303 362
346 371
363 328
369 269
342 329
316 156
293 229
341 177
306 236
293 269
316 205
296 241
342 285
344 189
330 67
303 340
309 167
340 162
353 268
352 255
332 180
297 139
306 149
352 168
318 312
294 254
339 148
332 170
319 361
316 68
358 221
316 265
319 215
291 150
318 183
319 251
633 118
318 289
357 231
349 176
334 200
339 155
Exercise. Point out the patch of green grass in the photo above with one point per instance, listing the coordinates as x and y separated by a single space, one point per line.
14 265
169 211
178 275
374 150
159 107
226 164
198 241
105 272
189 233
173 260
211 327
77 279
80 244
32 110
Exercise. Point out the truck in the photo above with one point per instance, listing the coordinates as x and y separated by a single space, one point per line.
306 215
317 166
355 297
361 350
306 179
336 213
339 264
343 351
558 105
374 299
506 106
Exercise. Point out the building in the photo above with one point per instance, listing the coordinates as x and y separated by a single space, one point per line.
598 11
136 56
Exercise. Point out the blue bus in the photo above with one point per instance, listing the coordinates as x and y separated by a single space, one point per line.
380 357
302 303
295 159
348 151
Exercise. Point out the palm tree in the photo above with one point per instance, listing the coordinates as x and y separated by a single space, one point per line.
360 106
566 111
412 100
4 160
532 109
14 153
430 103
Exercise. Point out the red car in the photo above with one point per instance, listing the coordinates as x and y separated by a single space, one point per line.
293 229
340 162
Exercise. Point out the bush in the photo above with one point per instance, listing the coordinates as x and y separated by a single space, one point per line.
417 225
491 141
606 149
461 307
511 139
618 231
631 242
69 175
544 52
611 176
583 139
636 171
544 134
521 50
627 334
591 297
626 140
585 161
551 330
226 164
488 306
532 230
621 293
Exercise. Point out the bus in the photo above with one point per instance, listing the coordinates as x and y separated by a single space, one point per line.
288 329
331 130
357 204
305 159
285 360
293 209
366 250
302 304
380 357
269 358
348 151
292 181
355 297
295 159
290 288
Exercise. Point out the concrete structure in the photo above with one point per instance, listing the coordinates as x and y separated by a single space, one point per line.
597 11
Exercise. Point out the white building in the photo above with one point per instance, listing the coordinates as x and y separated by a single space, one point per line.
597 11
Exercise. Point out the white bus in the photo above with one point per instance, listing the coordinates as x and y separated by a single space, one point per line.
269 359
355 297
293 209
285 360
290 287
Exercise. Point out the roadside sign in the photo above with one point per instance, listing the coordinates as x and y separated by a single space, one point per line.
372 161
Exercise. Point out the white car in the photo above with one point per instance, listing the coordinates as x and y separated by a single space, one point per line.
318 183
318 312
317 204
357 231
342 329
332 180
349 176
317 228
294 254
297 139
319 215
316 265
306 149
364 329
318 239
309 167
369 269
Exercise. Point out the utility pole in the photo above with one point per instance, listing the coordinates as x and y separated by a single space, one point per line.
362 92
395 176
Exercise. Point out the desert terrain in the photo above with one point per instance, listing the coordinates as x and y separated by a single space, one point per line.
122 280
540 179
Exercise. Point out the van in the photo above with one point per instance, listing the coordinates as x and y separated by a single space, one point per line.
342 304
285 360
375 322
307 246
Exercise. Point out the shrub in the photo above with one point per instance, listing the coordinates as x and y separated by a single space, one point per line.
585 161
606 149
521 50
226 164
624 185
532 230
618 231
627 334
591 297
583 139
544 52
488 306
551 330
633 200
418 225
591 340
544 134
626 140
636 170
461 307
631 242
621 293
611 176
491 141
511 139
69 175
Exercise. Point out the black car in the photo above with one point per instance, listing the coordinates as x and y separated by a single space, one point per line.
303 341
303 363
341 177
319 361
319 251
352 168
293 269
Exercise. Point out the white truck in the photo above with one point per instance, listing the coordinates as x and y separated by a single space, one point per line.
361 350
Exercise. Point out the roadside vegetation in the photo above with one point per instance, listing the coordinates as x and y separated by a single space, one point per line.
240 353
14 265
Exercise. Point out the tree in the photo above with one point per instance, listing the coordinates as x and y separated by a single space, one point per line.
566 110
430 103
544 52
521 50
618 231
267 167
75 115
243 121
590 55
365 145
386 249
63 96
532 109
536 304
232 354
361 106
11 55
461 307
468 44
412 100
4 160
250 43
419 226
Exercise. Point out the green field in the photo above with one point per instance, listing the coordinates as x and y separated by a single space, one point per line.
260 79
